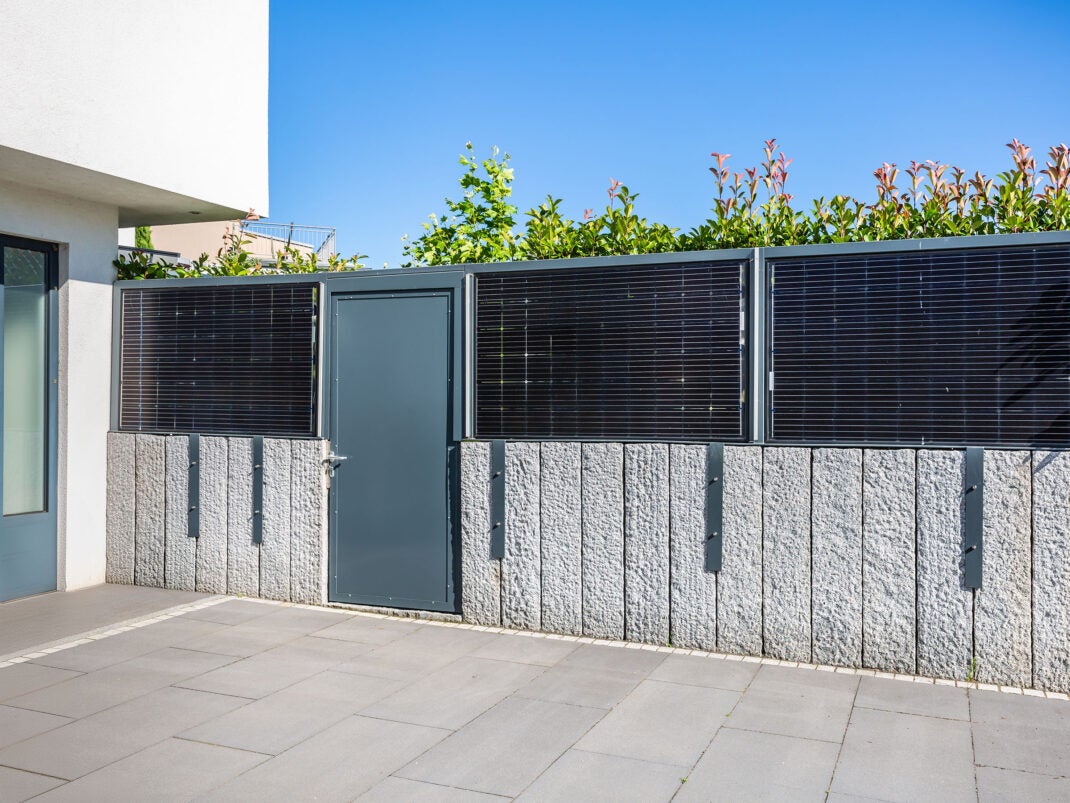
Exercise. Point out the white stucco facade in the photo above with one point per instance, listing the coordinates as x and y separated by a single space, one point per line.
120 113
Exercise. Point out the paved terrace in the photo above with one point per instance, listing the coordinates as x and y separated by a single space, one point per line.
223 699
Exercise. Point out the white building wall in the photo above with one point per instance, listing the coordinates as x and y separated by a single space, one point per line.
171 95
86 233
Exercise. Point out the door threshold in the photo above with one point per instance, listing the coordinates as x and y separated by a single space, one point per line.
400 613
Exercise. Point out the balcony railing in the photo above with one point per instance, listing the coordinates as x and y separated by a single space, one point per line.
267 239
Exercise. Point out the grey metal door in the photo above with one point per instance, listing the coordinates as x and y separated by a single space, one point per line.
391 417
28 414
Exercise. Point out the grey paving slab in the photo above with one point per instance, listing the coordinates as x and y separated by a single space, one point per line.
370 630
522 564
180 550
603 539
419 652
668 723
545 652
692 589
744 765
279 721
595 688
639 663
231 612
836 531
808 705
173 770
275 549
904 757
120 508
562 554
149 485
923 699
739 583
96 691
340 763
995 785
28 677
18 785
455 694
240 641
646 542
91 743
786 555
50 618
298 621
481 576
714 673
889 583
580 775
271 670
17 724
504 750
392 789
1021 733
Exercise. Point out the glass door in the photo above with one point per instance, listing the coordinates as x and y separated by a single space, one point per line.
28 413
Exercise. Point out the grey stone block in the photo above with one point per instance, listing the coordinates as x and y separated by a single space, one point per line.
889 585
308 522
1051 571
149 481
646 542
559 508
275 549
945 607
836 530
522 565
1003 640
120 508
243 556
212 542
603 540
180 561
692 590
786 551
739 583
481 576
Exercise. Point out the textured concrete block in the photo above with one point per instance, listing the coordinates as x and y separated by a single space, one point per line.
149 481
646 542
739 583
243 556
603 540
836 532
1003 619
1051 571
945 608
522 565
275 549
120 508
786 583
481 576
308 522
212 543
889 582
559 509
692 590
180 561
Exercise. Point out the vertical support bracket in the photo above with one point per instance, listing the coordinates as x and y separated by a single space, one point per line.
193 485
714 505
497 499
258 489
974 498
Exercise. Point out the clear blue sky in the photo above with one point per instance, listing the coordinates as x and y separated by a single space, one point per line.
372 102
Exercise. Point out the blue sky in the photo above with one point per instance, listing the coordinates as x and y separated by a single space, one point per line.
371 102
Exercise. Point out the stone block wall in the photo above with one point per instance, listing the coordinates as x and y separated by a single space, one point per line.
148 505
851 557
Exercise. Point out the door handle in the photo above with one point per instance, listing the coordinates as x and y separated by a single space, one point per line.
332 461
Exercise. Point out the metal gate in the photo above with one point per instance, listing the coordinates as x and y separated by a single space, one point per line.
394 419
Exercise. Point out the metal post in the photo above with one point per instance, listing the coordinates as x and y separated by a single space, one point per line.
193 520
714 506
497 499
974 498
258 489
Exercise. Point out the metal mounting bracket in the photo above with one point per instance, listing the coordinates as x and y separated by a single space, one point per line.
193 486
974 502
258 489
497 499
714 506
